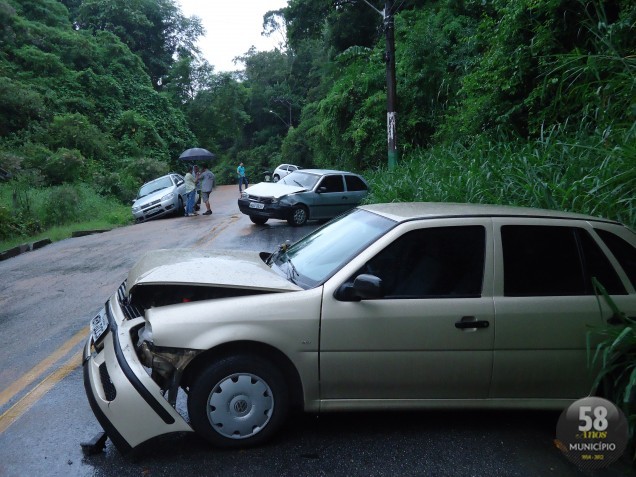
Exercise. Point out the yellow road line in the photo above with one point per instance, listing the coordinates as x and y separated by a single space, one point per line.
24 404
43 366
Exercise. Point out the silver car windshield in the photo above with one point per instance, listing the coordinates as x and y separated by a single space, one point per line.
317 256
154 186
301 179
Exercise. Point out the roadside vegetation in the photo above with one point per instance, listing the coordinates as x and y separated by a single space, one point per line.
55 212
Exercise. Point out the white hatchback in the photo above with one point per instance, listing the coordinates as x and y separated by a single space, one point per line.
283 170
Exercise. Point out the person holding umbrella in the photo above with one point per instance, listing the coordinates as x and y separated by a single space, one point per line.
207 184
191 193
199 154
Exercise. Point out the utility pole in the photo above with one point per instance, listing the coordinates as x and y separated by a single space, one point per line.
391 106
391 95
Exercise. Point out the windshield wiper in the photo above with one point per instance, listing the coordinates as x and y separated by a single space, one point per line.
292 269
282 249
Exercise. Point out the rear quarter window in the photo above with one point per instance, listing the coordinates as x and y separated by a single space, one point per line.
623 251
355 183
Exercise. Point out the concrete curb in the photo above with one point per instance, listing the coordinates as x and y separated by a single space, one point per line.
27 247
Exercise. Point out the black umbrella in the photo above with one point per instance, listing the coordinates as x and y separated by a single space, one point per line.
196 154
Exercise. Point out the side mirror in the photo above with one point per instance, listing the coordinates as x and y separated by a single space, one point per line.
179 182
322 189
364 287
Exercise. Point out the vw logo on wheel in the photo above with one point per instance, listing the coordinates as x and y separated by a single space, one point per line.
240 406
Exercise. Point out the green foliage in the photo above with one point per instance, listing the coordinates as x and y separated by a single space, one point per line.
580 176
614 358
74 131
70 89
17 224
61 206
19 106
63 166
27 212
153 29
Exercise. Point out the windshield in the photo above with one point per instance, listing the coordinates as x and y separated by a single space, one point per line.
317 256
154 186
302 179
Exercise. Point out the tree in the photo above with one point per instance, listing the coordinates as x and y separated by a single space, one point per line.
153 29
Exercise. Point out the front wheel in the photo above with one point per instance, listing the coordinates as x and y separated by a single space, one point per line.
258 220
276 177
180 208
239 401
298 216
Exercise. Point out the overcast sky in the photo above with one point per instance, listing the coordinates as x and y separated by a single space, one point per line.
232 27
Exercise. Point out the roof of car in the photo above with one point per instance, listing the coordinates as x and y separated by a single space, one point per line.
410 210
324 171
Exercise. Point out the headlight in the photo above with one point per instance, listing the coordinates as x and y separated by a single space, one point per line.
136 208
244 195
169 196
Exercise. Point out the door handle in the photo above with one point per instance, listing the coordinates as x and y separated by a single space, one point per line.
470 322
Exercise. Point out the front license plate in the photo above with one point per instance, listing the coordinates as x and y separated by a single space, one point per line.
99 325
256 205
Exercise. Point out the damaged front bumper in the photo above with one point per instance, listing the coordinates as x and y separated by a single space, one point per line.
126 401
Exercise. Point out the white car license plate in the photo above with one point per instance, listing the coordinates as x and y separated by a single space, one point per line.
256 205
99 325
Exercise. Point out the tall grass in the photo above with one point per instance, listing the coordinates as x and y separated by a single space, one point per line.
29 213
577 175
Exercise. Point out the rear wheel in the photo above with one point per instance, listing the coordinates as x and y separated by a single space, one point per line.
298 216
258 220
239 401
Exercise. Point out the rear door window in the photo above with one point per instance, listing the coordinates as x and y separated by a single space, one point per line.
554 261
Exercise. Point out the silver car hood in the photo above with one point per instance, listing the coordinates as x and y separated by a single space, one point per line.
157 195
273 189
228 269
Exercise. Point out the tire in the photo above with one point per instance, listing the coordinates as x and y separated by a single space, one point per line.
276 177
258 220
180 208
239 401
298 216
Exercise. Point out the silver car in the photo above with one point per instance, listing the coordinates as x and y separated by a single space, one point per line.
160 197
388 307
307 194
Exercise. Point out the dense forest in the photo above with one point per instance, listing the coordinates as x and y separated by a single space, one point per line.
528 102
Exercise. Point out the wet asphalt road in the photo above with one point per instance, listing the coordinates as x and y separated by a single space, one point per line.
47 298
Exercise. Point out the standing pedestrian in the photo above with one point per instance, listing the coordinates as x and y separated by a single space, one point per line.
242 178
191 193
207 184
197 194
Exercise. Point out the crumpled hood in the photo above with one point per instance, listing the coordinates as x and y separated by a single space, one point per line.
230 269
273 189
